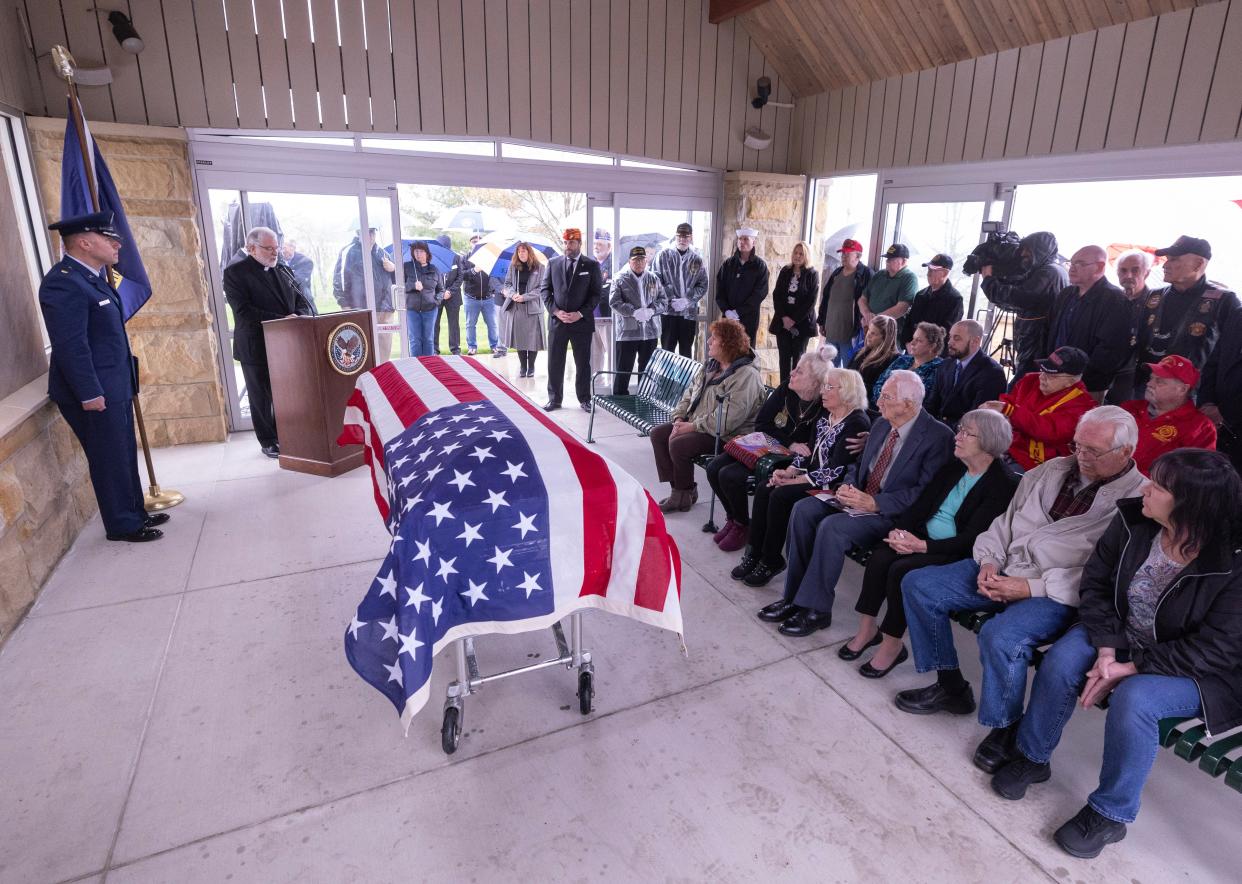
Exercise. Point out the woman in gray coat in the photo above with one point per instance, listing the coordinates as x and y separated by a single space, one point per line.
637 300
522 315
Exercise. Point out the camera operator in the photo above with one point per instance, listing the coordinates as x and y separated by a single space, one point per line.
1030 293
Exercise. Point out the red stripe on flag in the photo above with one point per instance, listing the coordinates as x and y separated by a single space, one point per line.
452 379
400 395
599 496
352 434
654 569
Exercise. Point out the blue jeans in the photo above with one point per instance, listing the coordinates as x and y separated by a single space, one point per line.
1006 642
421 328
474 307
1131 731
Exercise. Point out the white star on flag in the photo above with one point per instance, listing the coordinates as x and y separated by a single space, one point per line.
411 503
471 534
424 551
481 453
501 559
409 644
396 464
434 471
475 593
499 434
437 607
467 431
415 440
514 472
388 586
446 568
458 418
461 480
390 628
438 433
416 597
431 418
427 452
496 499
408 479
525 523
450 448
355 625
474 407
441 512
394 671
530 584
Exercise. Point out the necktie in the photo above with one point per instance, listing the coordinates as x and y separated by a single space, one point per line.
957 375
569 272
881 464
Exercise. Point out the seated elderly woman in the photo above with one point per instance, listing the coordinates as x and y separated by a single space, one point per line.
844 399
730 372
1160 634
922 357
1044 408
789 417
940 526
905 449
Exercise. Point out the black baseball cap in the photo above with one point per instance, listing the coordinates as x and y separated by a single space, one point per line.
897 250
1188 245
941 260
96 222
638 252
1064 360
685 229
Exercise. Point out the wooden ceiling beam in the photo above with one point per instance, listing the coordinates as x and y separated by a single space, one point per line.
723 10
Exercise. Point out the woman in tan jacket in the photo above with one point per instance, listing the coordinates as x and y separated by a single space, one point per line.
730 373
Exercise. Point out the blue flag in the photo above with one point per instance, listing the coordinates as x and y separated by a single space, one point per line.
129 276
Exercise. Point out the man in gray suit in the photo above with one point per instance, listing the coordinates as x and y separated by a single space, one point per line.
904 450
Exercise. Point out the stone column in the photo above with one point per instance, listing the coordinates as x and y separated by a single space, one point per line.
183 398
775 206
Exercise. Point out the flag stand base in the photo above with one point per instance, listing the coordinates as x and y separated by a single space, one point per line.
157 499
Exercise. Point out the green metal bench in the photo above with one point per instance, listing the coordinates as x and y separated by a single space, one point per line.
660 387
1187 737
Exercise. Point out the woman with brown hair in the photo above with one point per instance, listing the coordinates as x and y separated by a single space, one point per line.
521 318
878 350
729 374
793 308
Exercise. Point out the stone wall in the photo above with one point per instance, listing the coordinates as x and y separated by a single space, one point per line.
183 398
45 499
774 205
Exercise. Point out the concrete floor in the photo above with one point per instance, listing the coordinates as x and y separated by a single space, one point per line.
183 711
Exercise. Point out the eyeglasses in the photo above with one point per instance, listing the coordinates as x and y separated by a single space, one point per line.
887 397
1091 453
827 387
271 250
962 432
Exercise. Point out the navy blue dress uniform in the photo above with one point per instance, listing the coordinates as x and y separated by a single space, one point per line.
91 358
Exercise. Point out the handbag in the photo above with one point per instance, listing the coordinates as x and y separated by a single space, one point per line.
747 449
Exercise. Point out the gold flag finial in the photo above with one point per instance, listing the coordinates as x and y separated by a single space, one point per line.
63 63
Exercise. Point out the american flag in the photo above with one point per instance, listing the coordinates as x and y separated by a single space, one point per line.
501 521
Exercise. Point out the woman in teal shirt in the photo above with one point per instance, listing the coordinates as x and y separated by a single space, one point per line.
922 357
940 527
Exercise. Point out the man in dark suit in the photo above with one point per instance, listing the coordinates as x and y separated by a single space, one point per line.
258 289
1093 315
904 450
571 289
967 379
93 376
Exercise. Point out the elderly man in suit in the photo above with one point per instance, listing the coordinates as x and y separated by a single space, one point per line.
967 379
93 377
904 450
572 287
258 288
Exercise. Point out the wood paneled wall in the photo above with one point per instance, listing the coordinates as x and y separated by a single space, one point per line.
647 78
1170 79
17 86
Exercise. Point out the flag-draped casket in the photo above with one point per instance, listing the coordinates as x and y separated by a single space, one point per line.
501 521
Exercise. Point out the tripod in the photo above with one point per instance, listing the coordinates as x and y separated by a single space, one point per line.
1000 322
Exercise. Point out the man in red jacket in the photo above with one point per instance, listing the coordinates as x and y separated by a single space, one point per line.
1166 418
1044 408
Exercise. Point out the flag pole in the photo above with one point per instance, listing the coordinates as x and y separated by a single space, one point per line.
156 498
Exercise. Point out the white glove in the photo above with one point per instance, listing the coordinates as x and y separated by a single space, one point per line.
731 314
642 314
680 304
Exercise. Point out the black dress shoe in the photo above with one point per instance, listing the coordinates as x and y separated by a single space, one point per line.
153 519
585 406
997 749
869 671
142 535
760 575
1013 779
778 612
272 451
552 406
744 567
805 622
934 698
1088 833
845 652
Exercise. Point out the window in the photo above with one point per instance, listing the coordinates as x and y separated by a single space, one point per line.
430 145
512 151
841 208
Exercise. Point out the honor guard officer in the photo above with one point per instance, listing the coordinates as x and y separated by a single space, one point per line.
93 376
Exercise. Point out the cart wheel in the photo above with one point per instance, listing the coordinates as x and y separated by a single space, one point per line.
586 692
450 731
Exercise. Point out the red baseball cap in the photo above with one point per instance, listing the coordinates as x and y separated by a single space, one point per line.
1179 368
851 245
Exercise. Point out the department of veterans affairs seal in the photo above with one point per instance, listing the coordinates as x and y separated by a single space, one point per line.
347 348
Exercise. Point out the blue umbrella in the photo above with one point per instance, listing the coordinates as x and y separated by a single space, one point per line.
441 258
494 254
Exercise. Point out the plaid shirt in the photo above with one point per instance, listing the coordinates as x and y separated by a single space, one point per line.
1070 502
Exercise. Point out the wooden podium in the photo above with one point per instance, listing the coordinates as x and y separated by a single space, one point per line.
314 362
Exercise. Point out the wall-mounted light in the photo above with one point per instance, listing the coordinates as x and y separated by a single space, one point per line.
125 33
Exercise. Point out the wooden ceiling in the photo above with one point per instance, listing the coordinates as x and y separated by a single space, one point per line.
820 45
